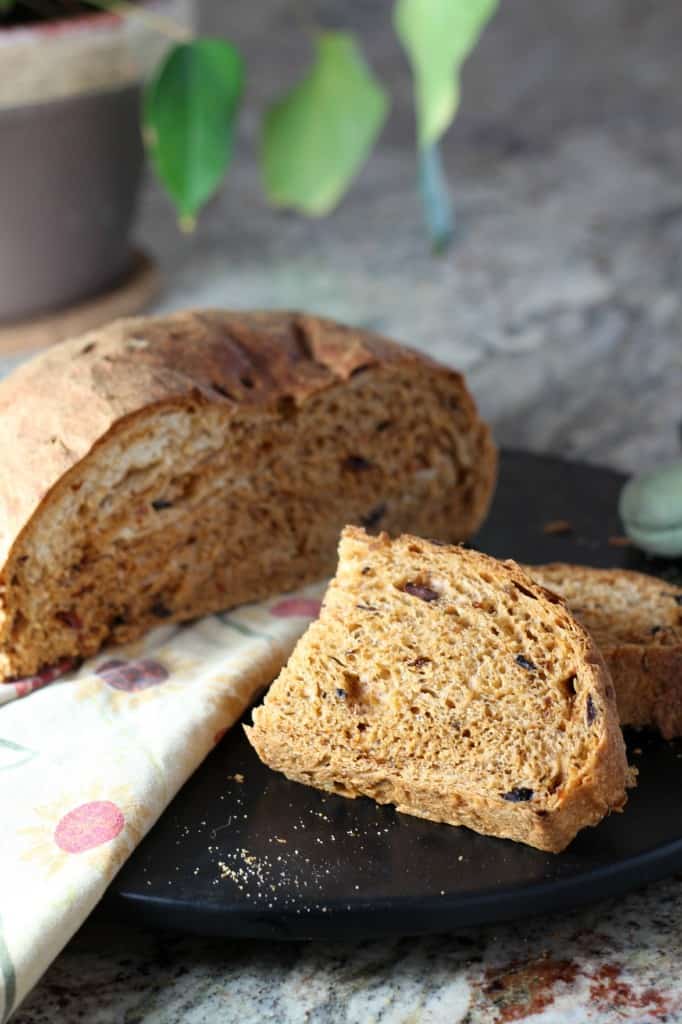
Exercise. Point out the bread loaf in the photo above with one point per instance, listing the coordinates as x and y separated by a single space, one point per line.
636 621
453 686
164 468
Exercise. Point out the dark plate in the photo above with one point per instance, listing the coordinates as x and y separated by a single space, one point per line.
268 858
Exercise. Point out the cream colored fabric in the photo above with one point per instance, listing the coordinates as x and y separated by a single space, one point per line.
90 761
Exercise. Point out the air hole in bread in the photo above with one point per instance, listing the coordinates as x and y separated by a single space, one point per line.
569 686
286 407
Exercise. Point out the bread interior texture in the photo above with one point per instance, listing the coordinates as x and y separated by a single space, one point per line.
450 685
187 508
617 606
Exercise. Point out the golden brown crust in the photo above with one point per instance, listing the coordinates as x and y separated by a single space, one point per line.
636 620
420 761
83 395
56 407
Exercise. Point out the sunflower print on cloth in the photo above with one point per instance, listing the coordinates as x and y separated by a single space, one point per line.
89 760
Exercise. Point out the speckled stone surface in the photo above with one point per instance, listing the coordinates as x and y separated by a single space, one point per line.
617 962
563 302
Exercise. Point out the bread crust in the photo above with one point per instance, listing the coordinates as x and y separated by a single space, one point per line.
61 407
597 788
645 664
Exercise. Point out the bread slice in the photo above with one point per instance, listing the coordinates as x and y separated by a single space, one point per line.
164 468
636 621
453 686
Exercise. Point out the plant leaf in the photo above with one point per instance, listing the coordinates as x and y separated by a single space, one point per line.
190 109
6 5
438 35
316 139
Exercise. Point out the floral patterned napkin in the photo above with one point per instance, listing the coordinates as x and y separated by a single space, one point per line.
90 761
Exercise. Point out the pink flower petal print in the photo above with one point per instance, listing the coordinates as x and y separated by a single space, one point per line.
88 826
48 675
132 675
296 607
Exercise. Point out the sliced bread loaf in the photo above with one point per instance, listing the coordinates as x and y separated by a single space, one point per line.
164 468
453 686
636 621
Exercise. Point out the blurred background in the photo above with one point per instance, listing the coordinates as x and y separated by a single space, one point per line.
560 295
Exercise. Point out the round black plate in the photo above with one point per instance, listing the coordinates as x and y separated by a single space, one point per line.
242 851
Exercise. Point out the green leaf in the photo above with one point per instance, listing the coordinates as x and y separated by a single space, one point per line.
316 139
438 35
6 5
190 109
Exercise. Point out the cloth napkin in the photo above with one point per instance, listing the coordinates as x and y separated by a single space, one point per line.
91 758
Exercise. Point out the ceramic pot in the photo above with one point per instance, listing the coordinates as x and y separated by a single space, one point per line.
71 154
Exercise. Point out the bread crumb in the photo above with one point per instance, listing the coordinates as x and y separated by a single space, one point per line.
620 541
558 526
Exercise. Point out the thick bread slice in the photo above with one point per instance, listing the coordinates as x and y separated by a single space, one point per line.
451 685
164 468
636 621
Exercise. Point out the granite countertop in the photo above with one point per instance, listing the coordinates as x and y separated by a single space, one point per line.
619 961
562 301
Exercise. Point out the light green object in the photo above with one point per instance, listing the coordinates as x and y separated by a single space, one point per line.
438 36
316 139
651 509
190 109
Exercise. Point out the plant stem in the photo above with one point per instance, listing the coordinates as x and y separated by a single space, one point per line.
436 201
158 22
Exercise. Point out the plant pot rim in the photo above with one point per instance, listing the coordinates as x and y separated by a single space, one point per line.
60 26
90 52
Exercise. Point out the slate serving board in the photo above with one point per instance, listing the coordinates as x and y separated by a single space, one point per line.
242 851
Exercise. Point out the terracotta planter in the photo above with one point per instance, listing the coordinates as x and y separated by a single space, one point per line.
71 155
